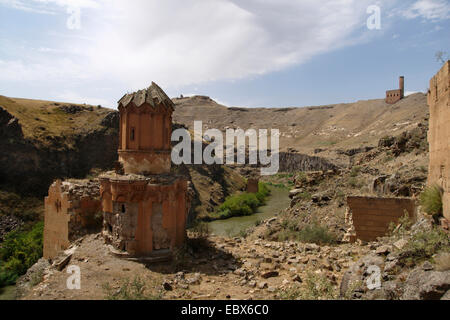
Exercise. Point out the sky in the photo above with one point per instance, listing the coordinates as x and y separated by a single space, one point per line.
248 53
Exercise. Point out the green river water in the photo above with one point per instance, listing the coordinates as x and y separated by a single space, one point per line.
277 201
8 293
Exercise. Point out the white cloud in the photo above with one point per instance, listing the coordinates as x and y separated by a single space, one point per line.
433 10
21 5
185 42
408 93
48 6
70 96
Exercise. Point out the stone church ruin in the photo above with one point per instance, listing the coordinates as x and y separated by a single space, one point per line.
141 206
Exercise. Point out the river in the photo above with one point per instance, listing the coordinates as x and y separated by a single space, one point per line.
277 201
8 293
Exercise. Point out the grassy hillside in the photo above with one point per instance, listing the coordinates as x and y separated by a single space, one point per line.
44 140
45 122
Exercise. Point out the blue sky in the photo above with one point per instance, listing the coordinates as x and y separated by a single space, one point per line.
252 53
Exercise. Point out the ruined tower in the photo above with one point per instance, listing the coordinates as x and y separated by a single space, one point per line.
393 96
401 85
145 208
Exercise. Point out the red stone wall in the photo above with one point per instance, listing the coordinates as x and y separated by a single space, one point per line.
372 216
439 133
161 211
393 96
145 133
71 210
252 185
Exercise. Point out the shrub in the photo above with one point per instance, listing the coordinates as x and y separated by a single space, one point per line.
132 290
301 177
315 287
316 233
200 229
442 261
305 195
423 245
313 233
355 171
19 251
431 200
243 204
400 229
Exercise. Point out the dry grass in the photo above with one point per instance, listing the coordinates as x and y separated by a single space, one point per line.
342 126
42 121
442 261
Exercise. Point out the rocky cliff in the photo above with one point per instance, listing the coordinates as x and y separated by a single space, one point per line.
52 141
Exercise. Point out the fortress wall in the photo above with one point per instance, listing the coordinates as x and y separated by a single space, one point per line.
372 216
439 133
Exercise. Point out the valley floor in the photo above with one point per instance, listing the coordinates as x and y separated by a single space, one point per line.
223 268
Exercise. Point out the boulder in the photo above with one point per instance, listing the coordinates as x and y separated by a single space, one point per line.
426 285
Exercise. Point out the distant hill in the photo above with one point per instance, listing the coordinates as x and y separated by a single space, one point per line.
337 126
42 140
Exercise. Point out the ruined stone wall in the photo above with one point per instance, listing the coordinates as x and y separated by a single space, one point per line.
143 215
72 209
372 216
252 185
393 96
439 133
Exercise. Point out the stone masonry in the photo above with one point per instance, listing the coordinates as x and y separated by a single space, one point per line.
439 134
145 207
393 96
142 206
372 216
252 185
72 209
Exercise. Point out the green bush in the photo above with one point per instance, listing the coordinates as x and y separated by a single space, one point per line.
243 204
423 245
19 251
313 233
316 233
431 200
315 287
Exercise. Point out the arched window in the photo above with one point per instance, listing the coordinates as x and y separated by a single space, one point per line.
132 134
